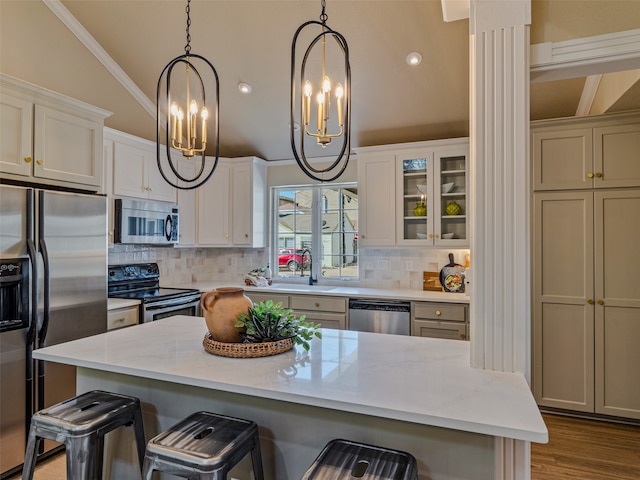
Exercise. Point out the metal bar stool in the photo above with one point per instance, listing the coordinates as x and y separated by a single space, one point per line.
81 423
346 460
204 446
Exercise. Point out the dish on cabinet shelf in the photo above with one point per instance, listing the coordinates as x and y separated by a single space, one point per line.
448 235
422 188
447 187
421 235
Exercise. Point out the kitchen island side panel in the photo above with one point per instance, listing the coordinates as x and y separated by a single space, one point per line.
291 435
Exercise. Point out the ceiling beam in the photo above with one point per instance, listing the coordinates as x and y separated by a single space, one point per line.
65 16
581 57
588 95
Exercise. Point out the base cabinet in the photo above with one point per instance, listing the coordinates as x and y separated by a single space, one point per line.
122 317
49 138
440 320
329 312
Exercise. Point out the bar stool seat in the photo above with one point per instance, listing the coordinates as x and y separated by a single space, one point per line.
81 423
346 460
204 446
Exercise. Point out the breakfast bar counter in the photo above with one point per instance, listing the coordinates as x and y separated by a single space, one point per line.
408 393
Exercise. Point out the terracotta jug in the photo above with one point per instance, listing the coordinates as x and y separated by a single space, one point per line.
221 308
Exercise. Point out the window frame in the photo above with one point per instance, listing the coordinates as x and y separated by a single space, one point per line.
317 208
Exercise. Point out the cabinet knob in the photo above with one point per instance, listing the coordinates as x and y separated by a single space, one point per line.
226 235
437 235
463 336
431 235
363 236
590 301
598 175
438 313
39 161
246 235
600 302
120 320
590 175
28 159
317 304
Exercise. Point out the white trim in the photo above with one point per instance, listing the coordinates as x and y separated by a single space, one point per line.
65 16
453 10
588 95
585 56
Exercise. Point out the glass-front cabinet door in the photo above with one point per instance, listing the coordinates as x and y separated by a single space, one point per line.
414 189
451 226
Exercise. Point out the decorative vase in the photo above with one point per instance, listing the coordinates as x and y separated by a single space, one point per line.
420 210
221 308
452 208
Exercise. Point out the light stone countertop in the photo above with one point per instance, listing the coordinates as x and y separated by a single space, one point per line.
115 303
426 381
352 292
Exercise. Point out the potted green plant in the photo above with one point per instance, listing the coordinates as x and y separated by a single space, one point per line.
270 322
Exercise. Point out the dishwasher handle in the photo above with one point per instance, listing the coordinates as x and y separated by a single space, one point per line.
379 305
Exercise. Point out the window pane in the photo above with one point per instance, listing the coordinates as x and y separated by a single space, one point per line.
294 230
339 232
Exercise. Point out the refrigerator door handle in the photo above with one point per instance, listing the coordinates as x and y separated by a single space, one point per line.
42 334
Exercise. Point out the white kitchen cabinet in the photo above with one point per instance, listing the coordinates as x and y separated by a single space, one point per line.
376 195
586 309
230 209
122 317
49 138
401 196
593 152
135 169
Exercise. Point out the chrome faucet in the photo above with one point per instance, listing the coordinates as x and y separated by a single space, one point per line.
311 279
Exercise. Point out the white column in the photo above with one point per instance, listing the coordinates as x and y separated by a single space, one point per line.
500 247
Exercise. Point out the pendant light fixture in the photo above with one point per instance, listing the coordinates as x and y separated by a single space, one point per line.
317 83
189 114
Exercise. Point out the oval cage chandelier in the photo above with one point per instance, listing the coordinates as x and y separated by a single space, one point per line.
327 127
187 117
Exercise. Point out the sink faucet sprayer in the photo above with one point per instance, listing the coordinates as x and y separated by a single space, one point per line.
311 279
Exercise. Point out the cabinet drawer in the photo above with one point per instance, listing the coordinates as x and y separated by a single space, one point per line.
318 303
257 297
326 320
122 317
435 329
440 311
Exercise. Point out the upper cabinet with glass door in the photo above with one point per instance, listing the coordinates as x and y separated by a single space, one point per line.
414 189
451 226
431 192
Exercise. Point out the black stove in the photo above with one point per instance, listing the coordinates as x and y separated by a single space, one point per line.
141 281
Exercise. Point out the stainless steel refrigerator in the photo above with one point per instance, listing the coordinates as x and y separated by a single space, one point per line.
53 289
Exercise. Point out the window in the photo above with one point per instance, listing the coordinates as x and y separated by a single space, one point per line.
316 226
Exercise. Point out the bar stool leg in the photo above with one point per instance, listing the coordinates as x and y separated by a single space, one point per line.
138 431
30 457
256 459
81 458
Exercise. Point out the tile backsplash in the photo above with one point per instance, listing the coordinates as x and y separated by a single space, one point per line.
379 267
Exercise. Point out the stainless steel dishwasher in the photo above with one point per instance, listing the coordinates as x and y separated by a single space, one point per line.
380 316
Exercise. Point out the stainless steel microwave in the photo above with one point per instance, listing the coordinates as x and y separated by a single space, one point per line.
143 222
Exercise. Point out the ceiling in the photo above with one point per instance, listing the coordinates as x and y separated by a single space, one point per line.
250 41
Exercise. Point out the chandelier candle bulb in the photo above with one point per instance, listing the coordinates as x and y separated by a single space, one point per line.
339 95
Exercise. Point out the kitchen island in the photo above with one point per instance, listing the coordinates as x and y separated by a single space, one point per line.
409 393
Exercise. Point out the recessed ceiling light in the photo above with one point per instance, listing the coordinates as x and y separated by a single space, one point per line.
414 58
244 88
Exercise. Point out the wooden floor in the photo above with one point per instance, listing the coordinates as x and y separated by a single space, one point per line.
577 450
586 450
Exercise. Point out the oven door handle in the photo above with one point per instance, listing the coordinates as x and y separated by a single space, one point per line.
171 303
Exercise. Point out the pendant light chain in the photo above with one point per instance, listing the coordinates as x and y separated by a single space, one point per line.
187 47
323 16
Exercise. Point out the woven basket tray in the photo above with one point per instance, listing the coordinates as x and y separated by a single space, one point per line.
246 350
